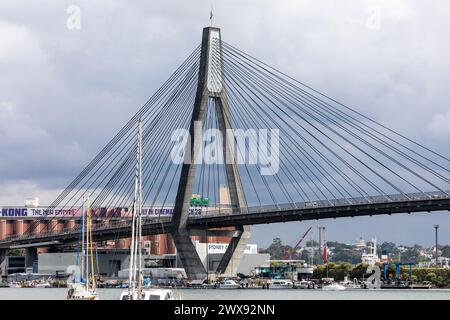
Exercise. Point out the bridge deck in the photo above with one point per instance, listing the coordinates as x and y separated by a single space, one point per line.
254 215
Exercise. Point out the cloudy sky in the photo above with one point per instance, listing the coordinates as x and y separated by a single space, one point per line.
66 88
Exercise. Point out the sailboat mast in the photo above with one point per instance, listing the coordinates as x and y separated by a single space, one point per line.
139 204
131 276
91 248
82 240
136 224
87 244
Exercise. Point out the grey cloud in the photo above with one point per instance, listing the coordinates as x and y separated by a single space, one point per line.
64 93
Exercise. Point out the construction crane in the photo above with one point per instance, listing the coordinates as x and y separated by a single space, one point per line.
287 253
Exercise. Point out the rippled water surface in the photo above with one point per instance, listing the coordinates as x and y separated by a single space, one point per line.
242 294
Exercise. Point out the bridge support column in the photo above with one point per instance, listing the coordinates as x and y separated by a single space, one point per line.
189 257
2 255
31 255
230 261
233 255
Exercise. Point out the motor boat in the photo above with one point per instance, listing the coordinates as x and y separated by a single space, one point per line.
15 285
305 284
281 284
149 294
351 284
209 285
229 284
43 285
333 287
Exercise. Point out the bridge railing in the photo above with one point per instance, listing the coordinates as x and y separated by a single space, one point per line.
332 203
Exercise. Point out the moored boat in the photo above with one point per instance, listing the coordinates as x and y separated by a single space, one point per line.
333 287
136 288
85 288
43 285
229 284
149 294
281 284
305 284
78 291
14 285
351 284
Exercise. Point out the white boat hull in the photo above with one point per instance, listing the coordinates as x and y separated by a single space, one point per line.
229 287
79 292
334 287
149 294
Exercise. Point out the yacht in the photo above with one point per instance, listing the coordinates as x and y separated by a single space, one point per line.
229 284
85 286
136 288
78 291
150 294
281 284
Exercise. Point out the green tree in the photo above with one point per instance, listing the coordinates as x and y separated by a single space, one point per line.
16 252
346 255
431 276
360 271
276 249
445 251
389 248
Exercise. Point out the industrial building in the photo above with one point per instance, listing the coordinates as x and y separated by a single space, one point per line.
115 262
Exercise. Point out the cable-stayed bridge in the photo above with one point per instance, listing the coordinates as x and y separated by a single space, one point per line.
260 146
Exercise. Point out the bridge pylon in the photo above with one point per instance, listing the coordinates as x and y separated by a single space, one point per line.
2 255
210 86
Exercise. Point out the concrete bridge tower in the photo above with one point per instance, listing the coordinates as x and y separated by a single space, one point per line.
210 86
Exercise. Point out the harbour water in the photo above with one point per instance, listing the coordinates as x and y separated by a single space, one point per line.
242 294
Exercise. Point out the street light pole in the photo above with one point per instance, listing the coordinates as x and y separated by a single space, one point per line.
320 245
436 227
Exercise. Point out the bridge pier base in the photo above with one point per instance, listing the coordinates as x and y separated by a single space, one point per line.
189 257
231 259
31 256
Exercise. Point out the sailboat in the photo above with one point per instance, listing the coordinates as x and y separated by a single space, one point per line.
329 285
136 288
85 288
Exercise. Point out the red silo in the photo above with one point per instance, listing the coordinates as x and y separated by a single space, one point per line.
19 227
159 244
171 245
9 230
70 224
2 229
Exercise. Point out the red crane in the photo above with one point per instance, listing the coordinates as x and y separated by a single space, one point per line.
287 253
